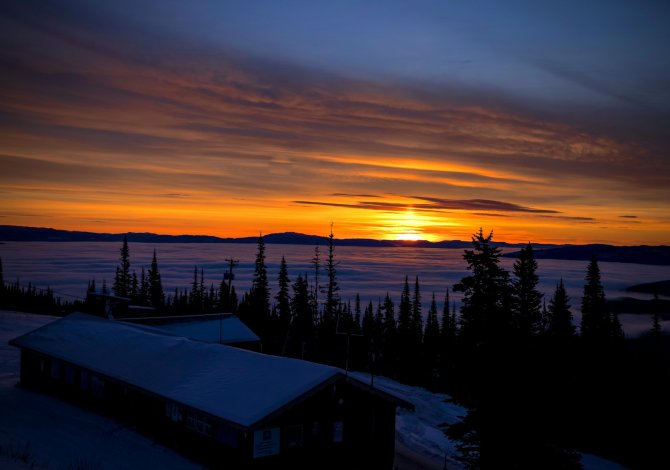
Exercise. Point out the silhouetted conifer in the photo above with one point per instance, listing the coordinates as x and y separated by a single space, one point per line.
559 316
332 296
283 297
598 324
155 284
431 342
300 340
526 299
357 314
122 278
486 294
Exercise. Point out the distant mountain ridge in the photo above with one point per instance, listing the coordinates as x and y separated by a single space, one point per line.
43 234
642 254
654 255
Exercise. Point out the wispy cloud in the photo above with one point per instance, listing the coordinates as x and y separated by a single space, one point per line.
89 124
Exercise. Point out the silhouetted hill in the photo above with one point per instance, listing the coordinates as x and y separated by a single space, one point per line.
19 233
644 254
631 305
659 287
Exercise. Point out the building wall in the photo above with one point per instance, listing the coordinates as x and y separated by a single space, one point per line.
337 427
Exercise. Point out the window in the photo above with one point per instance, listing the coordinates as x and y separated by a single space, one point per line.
199 423
173 412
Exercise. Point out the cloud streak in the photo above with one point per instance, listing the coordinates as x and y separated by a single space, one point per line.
205 133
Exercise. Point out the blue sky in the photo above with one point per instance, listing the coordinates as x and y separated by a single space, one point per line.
389 118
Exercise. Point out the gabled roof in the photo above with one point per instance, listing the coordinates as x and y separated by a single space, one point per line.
224 328
239 386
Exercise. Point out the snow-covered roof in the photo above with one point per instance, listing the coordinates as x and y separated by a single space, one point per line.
220 328
236 385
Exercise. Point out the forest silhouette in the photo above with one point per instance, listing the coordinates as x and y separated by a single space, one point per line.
538 389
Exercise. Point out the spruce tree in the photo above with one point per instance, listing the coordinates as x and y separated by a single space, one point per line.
485 358
486 293
328 323
156 293
417 318
431 340
598 324
368 325
300 340
388 342
526 299
258 299
333 298
314 294
357 315
144 288
559 321
134 288
194 297
283 296
122 278
405 315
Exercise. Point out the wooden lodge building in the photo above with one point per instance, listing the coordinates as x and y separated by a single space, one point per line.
222 328
222 406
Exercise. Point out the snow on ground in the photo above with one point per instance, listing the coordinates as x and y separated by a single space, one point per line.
420 431
40 431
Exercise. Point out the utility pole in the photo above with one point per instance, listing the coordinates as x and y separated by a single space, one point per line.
230 276
349 335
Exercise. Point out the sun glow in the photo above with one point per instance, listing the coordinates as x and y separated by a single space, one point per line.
409 236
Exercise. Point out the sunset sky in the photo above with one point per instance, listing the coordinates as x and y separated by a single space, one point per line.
544 121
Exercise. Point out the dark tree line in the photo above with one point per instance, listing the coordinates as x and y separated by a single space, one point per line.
537 388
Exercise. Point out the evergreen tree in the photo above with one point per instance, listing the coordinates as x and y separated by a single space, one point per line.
122 278
559 321
447 323
283 297
388 343
431 340
156 293
526 299
417 318
485 358
379 322
314 296
405 315
134 288
328 322
597 324
368 325
144 288
258 299
195 300
300 340
333 298
486 299
357 315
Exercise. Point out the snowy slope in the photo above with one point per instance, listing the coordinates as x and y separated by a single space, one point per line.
60 435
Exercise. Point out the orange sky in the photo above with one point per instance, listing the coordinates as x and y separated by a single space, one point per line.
97 136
